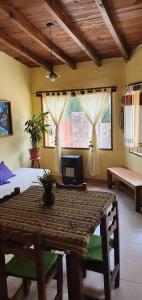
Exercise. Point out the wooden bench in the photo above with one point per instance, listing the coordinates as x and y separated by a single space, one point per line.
131 179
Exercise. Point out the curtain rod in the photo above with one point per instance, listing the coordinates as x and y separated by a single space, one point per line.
135 83
39 93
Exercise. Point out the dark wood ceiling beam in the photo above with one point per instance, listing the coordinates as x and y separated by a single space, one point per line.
110 23
31 30
58 13
11 43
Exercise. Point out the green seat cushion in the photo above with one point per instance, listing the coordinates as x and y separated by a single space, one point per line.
25 267
94 249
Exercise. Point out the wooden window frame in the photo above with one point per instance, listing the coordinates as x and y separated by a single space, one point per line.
71 148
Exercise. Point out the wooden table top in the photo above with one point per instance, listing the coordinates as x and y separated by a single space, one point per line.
67 225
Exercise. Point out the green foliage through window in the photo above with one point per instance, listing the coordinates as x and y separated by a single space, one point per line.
73 106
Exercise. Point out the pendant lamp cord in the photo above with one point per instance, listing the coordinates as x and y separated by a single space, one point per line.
51 44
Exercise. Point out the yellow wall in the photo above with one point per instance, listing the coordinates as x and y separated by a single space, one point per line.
134 74
15 86
15 81
112 72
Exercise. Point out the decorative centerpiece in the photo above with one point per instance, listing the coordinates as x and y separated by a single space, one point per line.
48 181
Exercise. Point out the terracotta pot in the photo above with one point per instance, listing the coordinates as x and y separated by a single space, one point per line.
34 153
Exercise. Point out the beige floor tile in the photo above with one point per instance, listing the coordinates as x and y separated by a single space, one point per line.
93 285
13 285
131 252
127 291
131 271
135 237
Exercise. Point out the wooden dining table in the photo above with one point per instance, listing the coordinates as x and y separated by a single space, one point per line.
67 225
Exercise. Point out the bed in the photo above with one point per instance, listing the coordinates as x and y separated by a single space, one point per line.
24 178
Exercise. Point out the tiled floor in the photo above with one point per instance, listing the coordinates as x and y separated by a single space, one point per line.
130 254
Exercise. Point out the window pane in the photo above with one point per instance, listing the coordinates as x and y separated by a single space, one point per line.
75 129
104 129
104 135
50 137
133 120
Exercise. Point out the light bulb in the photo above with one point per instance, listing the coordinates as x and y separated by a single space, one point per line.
52 79
52 76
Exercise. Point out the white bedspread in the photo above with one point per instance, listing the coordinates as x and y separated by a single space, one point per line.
23 179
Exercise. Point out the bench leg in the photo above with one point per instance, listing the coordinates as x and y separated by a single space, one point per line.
109 180
138 199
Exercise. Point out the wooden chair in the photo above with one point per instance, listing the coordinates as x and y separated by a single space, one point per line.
29 263
97 258
82 186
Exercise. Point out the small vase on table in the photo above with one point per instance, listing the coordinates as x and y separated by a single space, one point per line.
48 195
47 180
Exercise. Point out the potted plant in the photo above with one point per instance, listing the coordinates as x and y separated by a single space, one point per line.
47 180
36 126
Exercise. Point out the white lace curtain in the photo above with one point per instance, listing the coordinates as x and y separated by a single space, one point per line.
94 105
132 118
56 105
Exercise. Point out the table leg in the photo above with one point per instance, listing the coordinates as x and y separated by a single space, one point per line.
3 288
74 276
109 180
138 199
3 279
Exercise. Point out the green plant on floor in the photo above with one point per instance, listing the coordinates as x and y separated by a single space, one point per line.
36 126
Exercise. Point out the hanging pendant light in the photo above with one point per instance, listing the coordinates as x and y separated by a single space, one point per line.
52 75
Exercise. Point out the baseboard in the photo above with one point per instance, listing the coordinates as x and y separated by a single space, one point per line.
88 180
95 180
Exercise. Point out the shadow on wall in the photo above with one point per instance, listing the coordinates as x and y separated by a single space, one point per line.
23 159
19 146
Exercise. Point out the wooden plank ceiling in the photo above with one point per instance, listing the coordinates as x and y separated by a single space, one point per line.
83 30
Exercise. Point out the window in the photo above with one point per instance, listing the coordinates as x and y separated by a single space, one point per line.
138 150
133 121
75 129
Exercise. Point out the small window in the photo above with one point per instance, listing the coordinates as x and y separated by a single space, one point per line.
136 150
76 130
133 120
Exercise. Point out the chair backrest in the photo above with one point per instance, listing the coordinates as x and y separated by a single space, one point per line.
82 186
7 197
109 228
109 222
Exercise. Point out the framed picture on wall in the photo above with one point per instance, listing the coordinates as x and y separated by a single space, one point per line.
5 118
